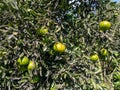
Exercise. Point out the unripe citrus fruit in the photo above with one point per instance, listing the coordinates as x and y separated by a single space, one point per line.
42 31
94 57
31 65
59 47
104 52
23 61
104 25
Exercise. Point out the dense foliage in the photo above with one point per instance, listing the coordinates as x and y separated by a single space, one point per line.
66 21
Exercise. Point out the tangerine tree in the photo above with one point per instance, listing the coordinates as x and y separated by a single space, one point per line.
31 29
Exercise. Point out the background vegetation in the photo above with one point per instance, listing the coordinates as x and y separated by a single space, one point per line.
74 23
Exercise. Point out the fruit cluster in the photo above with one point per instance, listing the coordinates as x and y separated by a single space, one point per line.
95 57
22 63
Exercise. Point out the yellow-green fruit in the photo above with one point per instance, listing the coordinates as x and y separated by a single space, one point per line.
31 65
104 25
94 57
104 52
19 60
23 61
59 47
42 31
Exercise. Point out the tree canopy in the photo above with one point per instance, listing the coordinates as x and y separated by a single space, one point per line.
32 32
